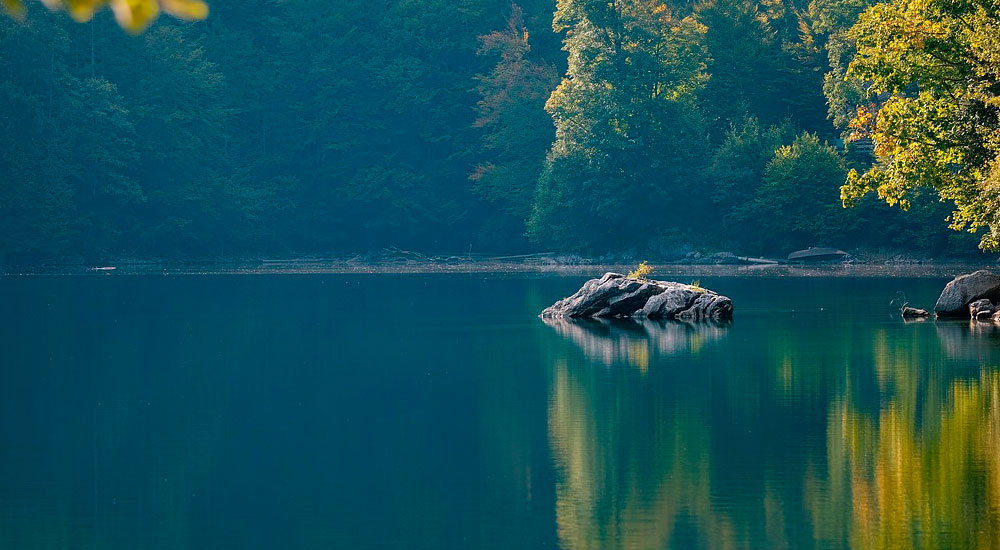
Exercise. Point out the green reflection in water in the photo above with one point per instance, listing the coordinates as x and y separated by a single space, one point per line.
632 464
672 436
610 489
922 472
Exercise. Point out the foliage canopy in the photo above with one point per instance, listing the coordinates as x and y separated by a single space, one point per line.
934 66
646 127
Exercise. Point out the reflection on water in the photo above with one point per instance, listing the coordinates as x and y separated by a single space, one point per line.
906 454
630 475
293 412
974 340
924 470
634 341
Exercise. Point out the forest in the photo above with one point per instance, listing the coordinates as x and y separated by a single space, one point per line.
313 127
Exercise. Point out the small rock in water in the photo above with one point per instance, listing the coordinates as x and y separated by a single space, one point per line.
615 295
911 312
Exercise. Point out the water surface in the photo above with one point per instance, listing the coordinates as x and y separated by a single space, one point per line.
437 411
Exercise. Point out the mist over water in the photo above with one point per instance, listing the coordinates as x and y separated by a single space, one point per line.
438 411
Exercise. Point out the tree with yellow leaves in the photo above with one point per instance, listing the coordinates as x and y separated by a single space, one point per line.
938 61
132 15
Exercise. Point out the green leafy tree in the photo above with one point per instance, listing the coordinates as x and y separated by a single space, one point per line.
939 64
831 21
743 61
796 205
763 61
103 173
68 154
36 197
737 171
628 136
517 130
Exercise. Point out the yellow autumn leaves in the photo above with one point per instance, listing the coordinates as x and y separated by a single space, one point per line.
932 67
132 15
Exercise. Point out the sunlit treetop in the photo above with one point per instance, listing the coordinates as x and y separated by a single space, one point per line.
938 63
132 15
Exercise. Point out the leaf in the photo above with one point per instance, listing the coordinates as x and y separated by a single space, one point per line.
13 7
185 9
135 15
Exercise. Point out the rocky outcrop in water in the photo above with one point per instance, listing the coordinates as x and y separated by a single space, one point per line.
615 295
966 289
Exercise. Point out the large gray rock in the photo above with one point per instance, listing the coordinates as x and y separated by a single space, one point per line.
615 295
965 289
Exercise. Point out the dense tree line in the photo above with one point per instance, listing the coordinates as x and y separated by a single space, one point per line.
444 125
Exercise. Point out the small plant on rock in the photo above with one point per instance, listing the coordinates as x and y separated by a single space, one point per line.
640 272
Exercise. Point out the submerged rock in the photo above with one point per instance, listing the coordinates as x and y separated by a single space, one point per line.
965 289
615 295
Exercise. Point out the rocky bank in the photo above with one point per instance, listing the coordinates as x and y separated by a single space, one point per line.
967 290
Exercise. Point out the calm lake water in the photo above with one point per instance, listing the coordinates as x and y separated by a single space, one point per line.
438 412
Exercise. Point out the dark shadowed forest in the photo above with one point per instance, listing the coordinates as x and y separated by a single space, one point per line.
315 127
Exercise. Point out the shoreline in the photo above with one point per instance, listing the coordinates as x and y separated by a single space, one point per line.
474 266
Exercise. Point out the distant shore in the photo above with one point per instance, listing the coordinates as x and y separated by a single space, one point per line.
537 264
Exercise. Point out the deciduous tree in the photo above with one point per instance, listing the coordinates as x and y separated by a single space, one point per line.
628 136
938 61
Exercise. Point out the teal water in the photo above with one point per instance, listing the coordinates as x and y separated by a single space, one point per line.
437 411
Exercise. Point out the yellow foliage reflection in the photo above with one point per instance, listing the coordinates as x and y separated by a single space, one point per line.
628 474
906 451
914 477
